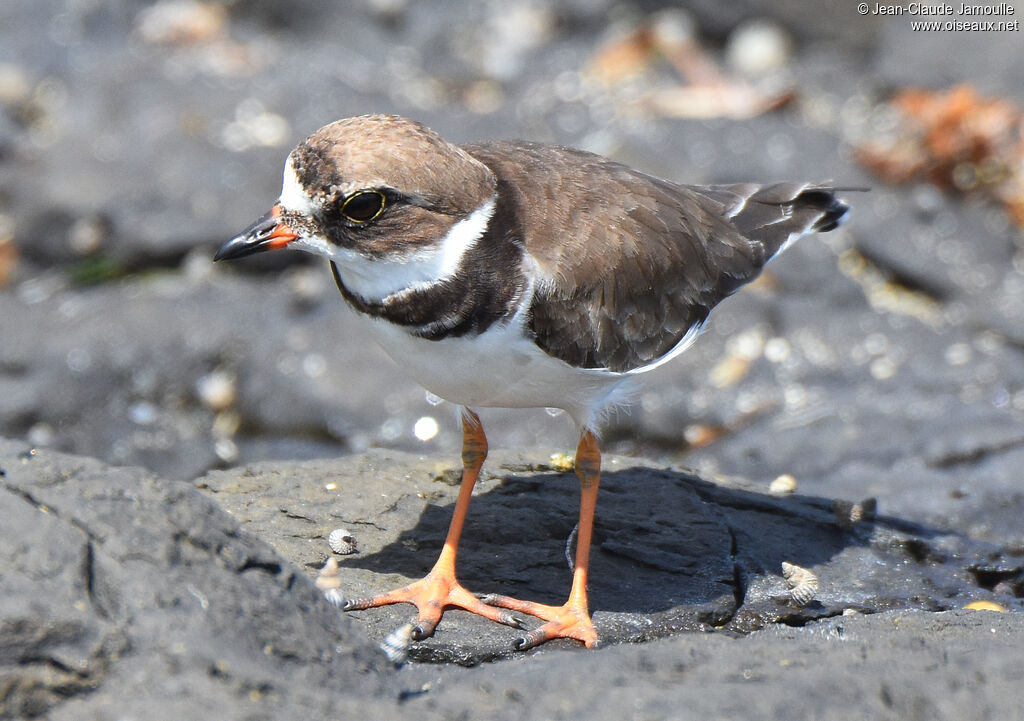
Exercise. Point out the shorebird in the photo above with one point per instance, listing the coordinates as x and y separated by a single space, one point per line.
514 274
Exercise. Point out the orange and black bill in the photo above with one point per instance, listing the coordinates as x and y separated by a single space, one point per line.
267 233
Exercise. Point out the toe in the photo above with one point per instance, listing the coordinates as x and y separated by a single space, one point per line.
424 628
531 639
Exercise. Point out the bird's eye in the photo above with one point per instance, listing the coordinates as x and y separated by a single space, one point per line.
364 206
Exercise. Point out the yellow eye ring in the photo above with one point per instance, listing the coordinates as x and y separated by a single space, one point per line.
364 206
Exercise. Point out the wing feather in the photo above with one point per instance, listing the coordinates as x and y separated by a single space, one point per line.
645 259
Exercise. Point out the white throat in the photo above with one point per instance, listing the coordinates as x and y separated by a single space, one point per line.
374 279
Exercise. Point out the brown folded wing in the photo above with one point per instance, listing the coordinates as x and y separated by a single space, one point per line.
645 259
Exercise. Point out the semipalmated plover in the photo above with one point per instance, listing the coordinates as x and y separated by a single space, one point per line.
514 274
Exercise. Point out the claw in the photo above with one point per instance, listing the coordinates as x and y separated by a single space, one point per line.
354 604
494 599
422 630
534 638
513 621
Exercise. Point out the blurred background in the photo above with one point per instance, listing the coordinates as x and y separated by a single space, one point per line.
135 137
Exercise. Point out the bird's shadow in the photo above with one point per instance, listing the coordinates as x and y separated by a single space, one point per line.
662 539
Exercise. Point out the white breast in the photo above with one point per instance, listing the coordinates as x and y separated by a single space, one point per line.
501 368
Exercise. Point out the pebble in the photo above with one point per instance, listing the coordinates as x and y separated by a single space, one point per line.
217 390
985 606
783 484
15 86
181 22
86 235
41 434
758 47
425 428
8 250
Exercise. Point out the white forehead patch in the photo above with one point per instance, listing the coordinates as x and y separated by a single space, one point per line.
294 197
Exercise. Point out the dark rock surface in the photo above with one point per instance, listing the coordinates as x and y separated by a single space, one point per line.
674 552
130 594
891 665
123 591
880 361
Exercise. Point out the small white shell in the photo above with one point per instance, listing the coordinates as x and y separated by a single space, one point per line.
396 644
783 484
329 581
342 542
803 584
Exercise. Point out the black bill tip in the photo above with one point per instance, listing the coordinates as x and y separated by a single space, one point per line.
267 233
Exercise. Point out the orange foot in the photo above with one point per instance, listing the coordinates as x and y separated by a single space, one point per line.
431 595
571 620
439 589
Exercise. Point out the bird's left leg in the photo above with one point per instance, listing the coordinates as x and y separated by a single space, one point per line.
572 619
439 589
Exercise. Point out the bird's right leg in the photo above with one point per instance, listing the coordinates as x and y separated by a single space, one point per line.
440 589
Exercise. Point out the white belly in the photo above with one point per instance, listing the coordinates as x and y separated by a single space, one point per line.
500 368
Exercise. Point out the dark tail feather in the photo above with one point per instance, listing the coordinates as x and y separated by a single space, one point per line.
832 209
777 215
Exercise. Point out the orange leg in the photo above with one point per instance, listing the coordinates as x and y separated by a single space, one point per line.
571 620
439 589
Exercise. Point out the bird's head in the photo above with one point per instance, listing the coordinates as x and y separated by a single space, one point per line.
369 188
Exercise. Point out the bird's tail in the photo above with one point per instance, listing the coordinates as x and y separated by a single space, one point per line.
777 215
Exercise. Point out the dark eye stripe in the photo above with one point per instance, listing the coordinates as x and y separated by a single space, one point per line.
364 206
